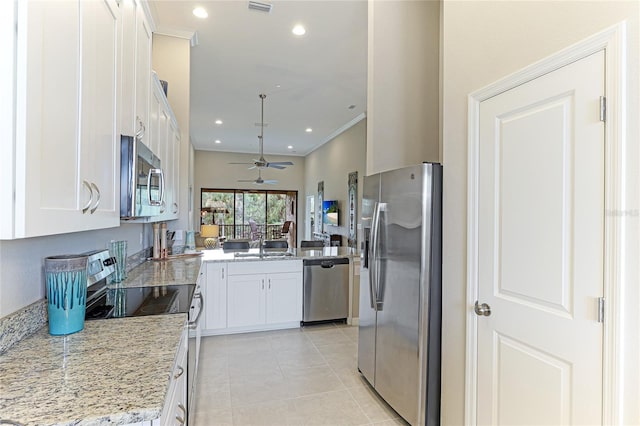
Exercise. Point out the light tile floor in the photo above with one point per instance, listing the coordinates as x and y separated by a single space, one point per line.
305 376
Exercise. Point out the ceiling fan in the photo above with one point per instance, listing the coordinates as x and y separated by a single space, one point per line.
261 162
259 180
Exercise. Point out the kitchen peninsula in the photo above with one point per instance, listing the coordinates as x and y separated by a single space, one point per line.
118 371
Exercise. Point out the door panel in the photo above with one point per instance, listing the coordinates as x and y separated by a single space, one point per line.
400 249
540 231
284 297
367 318
246 299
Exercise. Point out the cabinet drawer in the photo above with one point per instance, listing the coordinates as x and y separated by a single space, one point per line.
264 267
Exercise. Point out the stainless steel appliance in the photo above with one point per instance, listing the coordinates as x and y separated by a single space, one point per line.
400 290
325 289
141 180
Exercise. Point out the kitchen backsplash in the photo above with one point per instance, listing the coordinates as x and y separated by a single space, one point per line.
22 323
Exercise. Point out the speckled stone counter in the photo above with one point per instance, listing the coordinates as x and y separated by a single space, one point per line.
219 255
185 270
151 273
113 372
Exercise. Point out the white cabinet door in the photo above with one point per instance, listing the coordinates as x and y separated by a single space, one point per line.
143 72
136 70
174 411
284 298
173 141
47 192
99 138
152 134
215 297
246 300
65 137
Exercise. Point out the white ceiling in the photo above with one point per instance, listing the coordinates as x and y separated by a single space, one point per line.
241 53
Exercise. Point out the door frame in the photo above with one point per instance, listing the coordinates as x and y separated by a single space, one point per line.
612 41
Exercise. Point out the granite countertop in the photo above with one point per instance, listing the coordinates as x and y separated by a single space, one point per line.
184 270
218 255
178 271
113 372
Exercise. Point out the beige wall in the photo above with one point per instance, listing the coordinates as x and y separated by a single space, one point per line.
332 163
483 42
403 83
212 170
172 62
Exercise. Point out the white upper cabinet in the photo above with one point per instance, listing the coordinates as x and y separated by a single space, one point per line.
136 69
64 153
164 141
99 136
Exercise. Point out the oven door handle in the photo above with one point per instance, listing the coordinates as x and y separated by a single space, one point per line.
194 323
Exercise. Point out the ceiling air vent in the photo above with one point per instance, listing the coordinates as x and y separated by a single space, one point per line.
260 7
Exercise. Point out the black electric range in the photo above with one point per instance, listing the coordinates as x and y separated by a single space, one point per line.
118 302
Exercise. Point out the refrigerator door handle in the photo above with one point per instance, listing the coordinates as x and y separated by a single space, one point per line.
374 270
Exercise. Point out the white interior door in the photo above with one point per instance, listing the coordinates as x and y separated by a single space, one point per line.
540 240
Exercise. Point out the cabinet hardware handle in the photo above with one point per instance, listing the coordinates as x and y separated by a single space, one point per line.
98 200
223 273
175 210
140 133
180 420
263 284
85 208
194 323
179 373
269 283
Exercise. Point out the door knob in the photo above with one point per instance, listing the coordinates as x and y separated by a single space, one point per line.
482 310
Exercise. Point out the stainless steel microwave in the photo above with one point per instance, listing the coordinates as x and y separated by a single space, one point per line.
141 180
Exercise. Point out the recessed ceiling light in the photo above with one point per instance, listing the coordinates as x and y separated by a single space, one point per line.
298 30
217 141
290 147
200 12
308 130
278 86
218 122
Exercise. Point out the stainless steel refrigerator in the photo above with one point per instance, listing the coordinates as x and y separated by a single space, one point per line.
400 290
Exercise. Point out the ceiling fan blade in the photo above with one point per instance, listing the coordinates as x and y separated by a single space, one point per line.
240 163
275 166
281 163
270 182
246 180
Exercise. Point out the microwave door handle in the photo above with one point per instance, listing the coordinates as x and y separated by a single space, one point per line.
152 172
161 186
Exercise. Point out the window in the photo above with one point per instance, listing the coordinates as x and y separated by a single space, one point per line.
236 211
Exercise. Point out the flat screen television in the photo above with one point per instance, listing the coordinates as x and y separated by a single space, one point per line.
330 212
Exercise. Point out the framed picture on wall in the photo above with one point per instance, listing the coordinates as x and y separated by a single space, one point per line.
352 214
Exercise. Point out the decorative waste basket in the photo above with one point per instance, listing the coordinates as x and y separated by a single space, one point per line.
66 279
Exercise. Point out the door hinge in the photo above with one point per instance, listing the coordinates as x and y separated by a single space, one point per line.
603 108
601 309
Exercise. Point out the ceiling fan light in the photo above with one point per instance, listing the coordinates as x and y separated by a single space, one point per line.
200 13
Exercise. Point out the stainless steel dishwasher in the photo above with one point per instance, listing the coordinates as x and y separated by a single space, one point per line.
326 289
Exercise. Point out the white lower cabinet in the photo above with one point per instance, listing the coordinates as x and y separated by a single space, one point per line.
264 294
175 405
215 296
251 296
